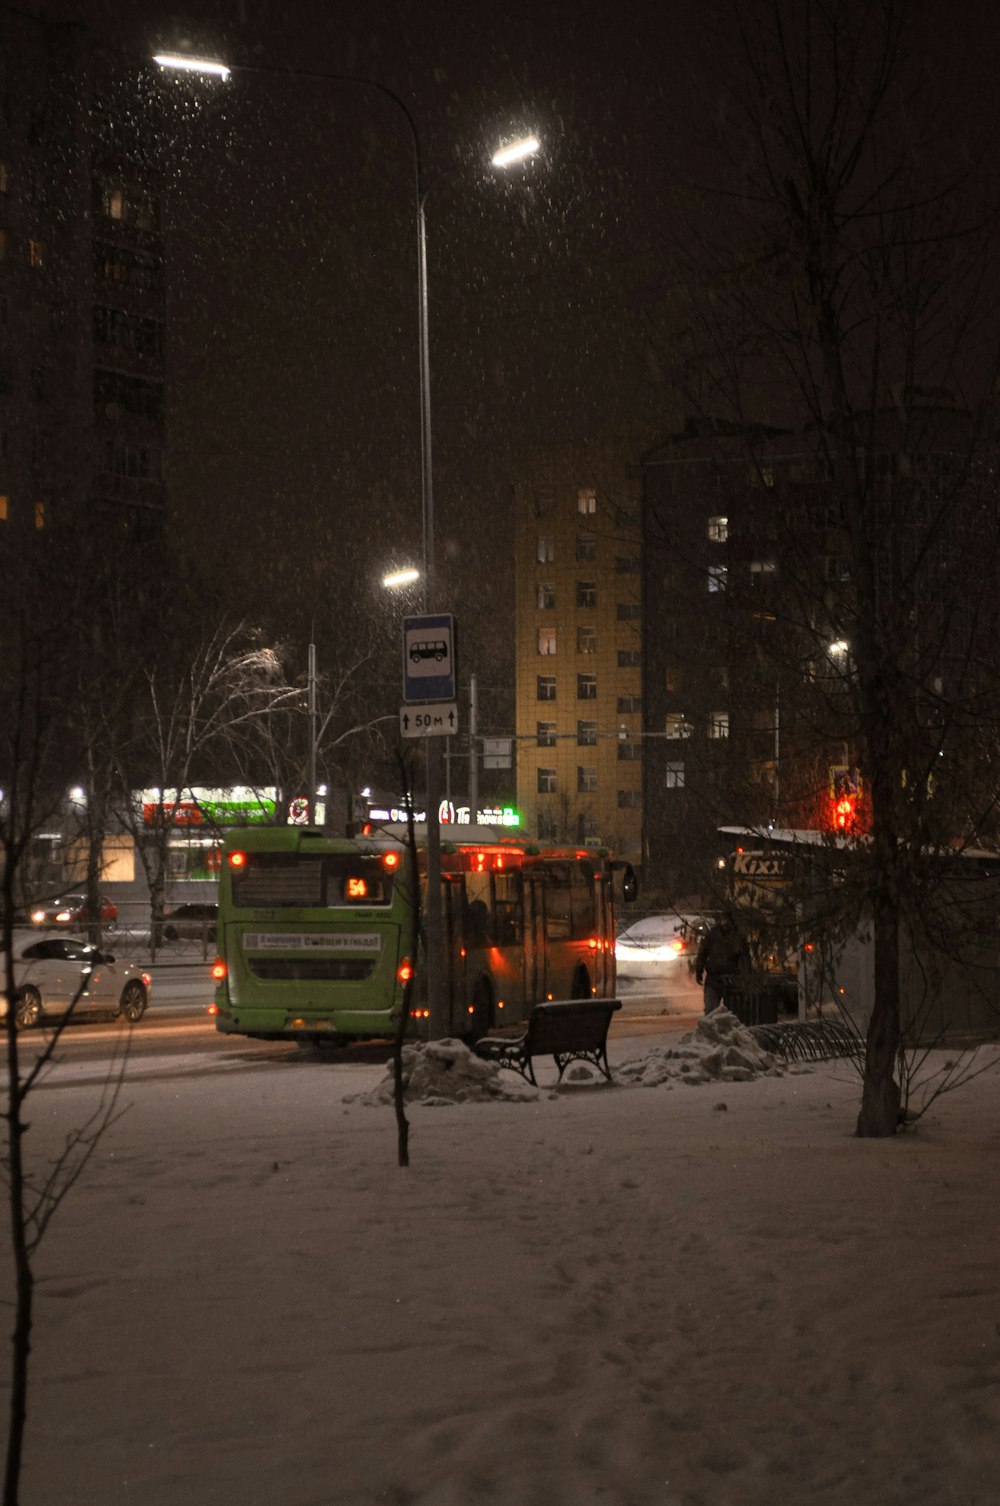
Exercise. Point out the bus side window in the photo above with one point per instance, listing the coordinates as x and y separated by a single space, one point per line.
582 897
478 915
558 912
507 909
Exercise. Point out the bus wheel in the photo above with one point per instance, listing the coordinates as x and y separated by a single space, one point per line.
481 1017
581 984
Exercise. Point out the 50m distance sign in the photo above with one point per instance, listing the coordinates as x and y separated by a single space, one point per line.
428 721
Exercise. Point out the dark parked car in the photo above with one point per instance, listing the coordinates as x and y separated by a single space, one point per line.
72 910
194 919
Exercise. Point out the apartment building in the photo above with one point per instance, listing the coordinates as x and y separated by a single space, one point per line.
750 588
579 648
82 427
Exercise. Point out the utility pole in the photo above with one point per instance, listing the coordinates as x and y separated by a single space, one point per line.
312 733
473 751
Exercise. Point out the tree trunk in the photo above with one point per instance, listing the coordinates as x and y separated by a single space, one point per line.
24 1280
880 1098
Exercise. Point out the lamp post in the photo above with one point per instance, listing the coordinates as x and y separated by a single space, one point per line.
512 152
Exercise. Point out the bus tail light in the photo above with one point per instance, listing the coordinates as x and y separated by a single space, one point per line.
404 971
420 1014
390 860
219 970
593 943
212 1009
237 860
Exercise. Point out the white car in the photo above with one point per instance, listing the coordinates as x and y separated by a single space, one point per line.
49 969
659 945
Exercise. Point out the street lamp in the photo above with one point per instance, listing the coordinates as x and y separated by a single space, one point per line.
404 577
515 151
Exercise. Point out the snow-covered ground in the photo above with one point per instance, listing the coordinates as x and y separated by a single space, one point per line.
681 1290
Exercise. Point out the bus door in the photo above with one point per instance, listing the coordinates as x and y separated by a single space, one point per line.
534 938
508 958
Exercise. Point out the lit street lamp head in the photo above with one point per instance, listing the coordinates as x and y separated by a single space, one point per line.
516 151
183 63
401 577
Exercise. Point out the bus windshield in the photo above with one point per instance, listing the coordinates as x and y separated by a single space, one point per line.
291 880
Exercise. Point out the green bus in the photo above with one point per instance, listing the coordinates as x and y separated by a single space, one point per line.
315 933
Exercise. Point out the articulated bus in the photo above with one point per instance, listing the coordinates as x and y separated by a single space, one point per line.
315 933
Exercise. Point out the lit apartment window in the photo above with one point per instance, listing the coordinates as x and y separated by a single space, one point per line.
39 514
546 640
586 593
545 734
586 500
4 508
545 597
677 725
628 611
762 570
718 724
717 575
629 658
545 551
113 202
586 780
586 546
629 800
545 688
546 781
586 687
674 775
586 640
36 253
586 734
630 703
718 529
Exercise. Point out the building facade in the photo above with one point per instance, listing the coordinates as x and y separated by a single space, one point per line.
753 544
579 649
82 291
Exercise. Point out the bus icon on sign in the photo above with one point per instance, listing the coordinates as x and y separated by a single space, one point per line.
435 649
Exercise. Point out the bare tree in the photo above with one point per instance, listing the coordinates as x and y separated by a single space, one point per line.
39 673
193 712
845 276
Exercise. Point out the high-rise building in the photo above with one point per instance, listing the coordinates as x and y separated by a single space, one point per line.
82 427
579 649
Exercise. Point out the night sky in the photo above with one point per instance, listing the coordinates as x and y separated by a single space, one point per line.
294 433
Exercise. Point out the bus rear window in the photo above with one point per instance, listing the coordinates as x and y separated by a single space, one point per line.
279 880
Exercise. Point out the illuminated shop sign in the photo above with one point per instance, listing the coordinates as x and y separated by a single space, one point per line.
207 807
491 815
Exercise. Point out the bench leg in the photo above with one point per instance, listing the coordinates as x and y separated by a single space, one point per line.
597 1058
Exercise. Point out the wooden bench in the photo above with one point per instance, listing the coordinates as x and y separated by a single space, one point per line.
570 1030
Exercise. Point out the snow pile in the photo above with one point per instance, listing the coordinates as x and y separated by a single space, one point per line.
718 1049
444 1072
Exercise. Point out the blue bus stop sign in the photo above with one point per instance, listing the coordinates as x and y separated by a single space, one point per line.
430 670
